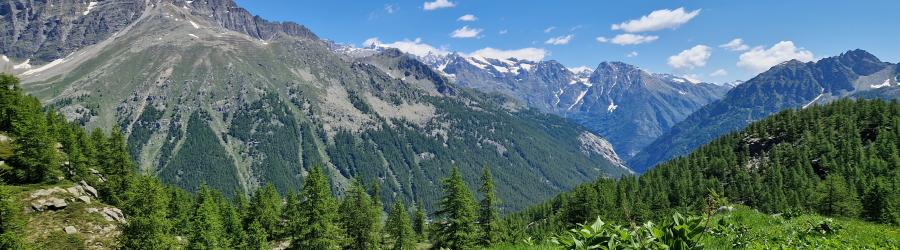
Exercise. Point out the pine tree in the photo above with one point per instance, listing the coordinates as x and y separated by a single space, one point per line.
318 213
234 228
360 219
265 207
147 227
457 230
399 228
116 166
291 215
256 237
836 198
488 216
181 206
35 158
208 230
419 225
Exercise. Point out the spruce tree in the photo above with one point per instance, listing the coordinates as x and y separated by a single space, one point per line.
488 216
457 228
147 227
836 198
318 213
181 206
208 230
265 207
34 158
399 228
419 225
256 237
234 228
360 219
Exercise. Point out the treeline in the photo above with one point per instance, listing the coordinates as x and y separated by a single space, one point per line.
45 149
839 159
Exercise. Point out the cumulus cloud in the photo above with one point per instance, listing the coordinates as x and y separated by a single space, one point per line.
438 4
760 59
657 20
719 72
736 44
466 32
531 54
691 58
631 54
390 8
628 39
415 47
560 40
467 18
549 29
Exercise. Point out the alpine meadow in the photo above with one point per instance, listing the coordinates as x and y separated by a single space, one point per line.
448 124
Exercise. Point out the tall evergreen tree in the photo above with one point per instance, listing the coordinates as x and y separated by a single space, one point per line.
116 166
457 228
419 225
265 207
35 158
360 219
318 213
399 228
836 197
256 237
208 230
147 227
488 216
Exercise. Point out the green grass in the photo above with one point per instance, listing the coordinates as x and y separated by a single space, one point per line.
764 231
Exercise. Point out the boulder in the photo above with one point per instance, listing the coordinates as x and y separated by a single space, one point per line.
113 214
85 199
88 188
70 230
56 203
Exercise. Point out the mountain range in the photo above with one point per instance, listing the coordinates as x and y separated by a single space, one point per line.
789 85
208 93
621 102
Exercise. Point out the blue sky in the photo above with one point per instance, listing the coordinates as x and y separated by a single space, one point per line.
679 37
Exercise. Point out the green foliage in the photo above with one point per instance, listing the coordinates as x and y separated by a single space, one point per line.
681 233
201 159
457 227
419 225
148 226
488 217
34 156
265 208
12 223
360 218
318 214
399 227
208 230
828 159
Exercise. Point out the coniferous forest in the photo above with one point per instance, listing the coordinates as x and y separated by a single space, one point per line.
839 160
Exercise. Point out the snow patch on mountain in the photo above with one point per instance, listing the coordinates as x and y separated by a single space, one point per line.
886 83
90 7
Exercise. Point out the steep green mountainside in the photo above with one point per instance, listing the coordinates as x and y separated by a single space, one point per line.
791 84
840 159
202 98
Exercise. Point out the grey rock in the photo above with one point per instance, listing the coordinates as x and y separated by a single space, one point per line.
70 230
88 188
85 199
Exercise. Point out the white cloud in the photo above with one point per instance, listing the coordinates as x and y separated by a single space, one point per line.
693 78
631 54
438 4
760 59
657 20
415 47
719 72
691 58
503 32
560 40
549 29
736 44
580 69
531 54
628 39
466 32
390 8
467 18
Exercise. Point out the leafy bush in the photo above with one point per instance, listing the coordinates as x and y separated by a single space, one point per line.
681 233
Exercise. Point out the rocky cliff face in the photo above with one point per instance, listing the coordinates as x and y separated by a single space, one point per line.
207 93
